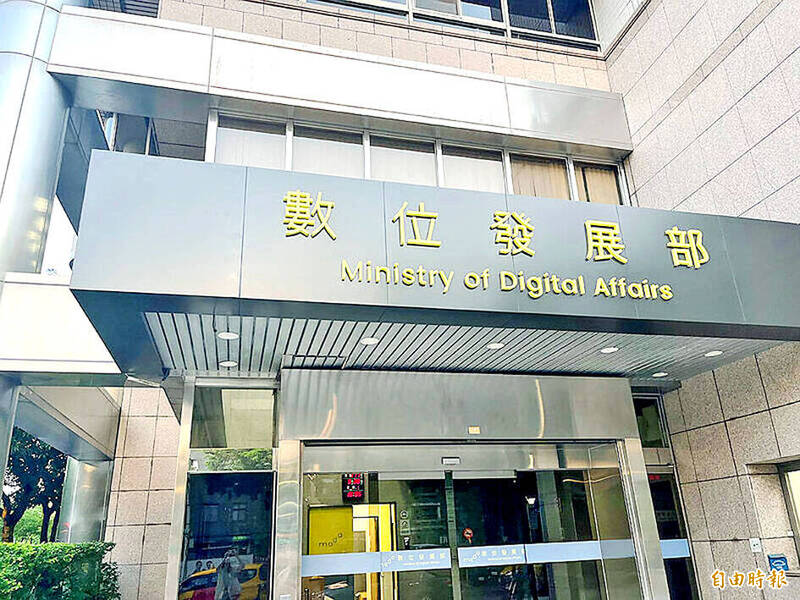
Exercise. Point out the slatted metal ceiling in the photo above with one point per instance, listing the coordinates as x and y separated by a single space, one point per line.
188 343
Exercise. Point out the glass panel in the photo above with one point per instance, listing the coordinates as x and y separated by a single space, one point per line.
328 152
573 18
482 9
542 177
403 161
529 14
648 418
232 418
533 582
131 134
471 169
597 183
251 143
227 536
444 6
671 526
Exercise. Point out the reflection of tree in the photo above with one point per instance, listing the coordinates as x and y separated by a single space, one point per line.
236 459
34 476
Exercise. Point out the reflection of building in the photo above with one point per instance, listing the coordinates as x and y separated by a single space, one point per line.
443 244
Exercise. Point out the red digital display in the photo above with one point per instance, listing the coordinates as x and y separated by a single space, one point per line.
352 487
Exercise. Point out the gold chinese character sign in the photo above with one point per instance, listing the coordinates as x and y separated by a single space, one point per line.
416 216
305 217
513 232
604 241
686 247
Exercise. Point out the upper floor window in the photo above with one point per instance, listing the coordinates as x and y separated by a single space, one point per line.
328 152
254 143
403 161
563 21
383 157
541 177
473 169
597 183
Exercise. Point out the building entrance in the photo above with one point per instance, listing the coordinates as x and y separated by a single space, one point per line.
466 522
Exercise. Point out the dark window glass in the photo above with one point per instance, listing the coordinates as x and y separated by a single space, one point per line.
482 9
573 18
526 582
529 14
542 506
648 418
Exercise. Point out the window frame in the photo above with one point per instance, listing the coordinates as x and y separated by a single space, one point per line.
794 518
503 28
438 143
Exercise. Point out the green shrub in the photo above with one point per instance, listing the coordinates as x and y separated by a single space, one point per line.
64 571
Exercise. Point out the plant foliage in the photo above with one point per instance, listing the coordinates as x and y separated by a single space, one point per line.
236 459
64 571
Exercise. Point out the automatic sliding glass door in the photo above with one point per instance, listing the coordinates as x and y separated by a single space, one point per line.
549 522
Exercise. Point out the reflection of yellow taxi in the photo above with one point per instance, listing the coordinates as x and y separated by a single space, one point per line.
254 578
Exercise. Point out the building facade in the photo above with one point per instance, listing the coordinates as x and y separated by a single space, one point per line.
437 299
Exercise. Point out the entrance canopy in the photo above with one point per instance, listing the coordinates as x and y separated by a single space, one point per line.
318 271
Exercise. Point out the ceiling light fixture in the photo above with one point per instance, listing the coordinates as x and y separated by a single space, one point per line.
495 346
227 364
609 350
370 341
713 353
660 374
228 335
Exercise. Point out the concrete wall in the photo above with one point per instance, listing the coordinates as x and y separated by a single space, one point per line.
712 92
361 31
142 490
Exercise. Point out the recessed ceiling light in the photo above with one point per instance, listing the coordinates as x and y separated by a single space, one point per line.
228 335
495 346
609 350
227 364
660 374
713 353
370 341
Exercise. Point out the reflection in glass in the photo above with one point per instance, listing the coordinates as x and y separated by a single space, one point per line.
529 14
226 540
404 161
473 169
573 18
533 582
671 526
482 9
328 152
648 419
232 418
444 6
251 143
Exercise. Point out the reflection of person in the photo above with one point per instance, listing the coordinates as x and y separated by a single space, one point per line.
198 566
228 586
209 565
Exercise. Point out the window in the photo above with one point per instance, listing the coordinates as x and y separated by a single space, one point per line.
597 183
791 483
403 161
529 14
648 418
473 169
542 177
567 22
251 143
573 18
328 152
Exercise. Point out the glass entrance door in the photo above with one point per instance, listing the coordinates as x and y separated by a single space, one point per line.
523 522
